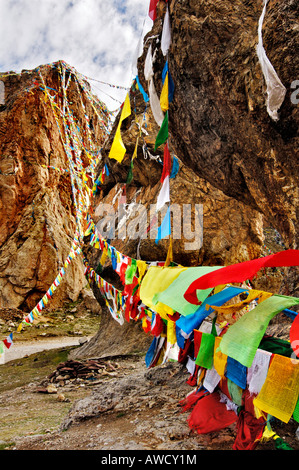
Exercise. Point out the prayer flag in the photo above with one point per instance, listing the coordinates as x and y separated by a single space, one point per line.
294 336
166 34
166 163
148 65
164 195
118 149
175 167
153 9
163 132
8 341
164 101
279 394
170 81
241 272
165 228
276 91
242 339
155 104
141 89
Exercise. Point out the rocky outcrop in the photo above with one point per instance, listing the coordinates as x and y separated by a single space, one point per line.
38 218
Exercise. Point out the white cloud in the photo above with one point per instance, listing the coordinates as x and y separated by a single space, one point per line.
97 37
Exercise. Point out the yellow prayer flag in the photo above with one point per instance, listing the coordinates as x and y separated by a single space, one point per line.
279 394
104 256
156 280
164 101
118 149
169 257
142 267
220 359
230 309
171 332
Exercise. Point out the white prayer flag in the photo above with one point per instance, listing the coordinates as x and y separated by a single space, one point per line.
275 89
166 34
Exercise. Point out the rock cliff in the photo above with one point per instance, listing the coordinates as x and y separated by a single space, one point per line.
38 217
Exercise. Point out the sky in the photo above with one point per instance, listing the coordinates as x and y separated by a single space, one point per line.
97 37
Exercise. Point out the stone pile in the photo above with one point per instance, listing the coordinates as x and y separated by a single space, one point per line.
90 369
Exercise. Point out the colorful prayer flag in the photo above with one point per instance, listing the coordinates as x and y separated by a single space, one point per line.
163 132
241 272
164 101
153 9
8 341
165 228
118 149
166 34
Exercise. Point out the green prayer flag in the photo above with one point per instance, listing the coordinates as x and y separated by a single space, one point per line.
130 173
296 412
163 132
205 356
243 337
173 296
130 272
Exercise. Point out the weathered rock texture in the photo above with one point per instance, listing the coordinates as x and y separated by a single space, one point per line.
37 221
219 124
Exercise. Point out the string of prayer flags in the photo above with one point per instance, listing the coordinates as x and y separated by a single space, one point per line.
118 149
101 178
241 272
276 91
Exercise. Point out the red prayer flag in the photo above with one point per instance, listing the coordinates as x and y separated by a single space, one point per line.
153 9
240 272
166 163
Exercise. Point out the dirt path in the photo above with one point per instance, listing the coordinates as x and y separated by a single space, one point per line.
22 349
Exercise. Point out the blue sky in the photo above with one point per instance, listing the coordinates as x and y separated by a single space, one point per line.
97 37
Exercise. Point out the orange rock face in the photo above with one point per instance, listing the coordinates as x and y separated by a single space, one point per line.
38 216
